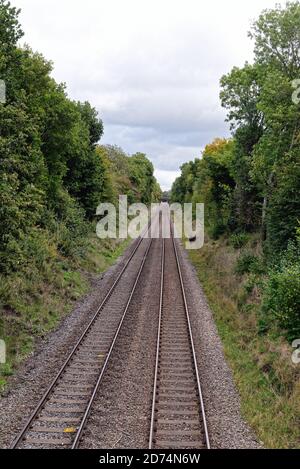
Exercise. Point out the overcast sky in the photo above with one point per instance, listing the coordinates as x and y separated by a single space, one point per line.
151 68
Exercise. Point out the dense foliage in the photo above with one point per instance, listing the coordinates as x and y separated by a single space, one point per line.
131 175
251 182
53 174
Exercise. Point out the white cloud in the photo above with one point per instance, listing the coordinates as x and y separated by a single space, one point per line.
166 178
151 68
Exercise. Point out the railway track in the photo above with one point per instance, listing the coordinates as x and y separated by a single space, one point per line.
178 418
59 419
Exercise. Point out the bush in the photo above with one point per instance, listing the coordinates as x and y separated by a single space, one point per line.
252 282
249 263
6 370
72 232
35 249
239 240
281 293
218 230
281 299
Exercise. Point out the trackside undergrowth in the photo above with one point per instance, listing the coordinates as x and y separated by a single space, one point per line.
266 378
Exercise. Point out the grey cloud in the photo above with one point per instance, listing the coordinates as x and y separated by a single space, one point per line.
152 69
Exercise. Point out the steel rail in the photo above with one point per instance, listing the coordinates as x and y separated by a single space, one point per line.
156 372
158 346
192 344
55 381
92 399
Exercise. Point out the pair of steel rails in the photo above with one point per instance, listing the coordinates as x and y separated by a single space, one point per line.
21 438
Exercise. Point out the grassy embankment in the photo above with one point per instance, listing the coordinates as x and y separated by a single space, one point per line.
265 376
33 300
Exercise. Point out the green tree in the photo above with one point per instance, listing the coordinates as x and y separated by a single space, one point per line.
276 156
240 94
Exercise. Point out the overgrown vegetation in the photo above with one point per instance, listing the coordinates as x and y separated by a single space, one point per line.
281 293
251 182
53 175
250 185
267 380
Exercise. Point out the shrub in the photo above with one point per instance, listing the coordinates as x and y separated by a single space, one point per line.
72 234
6 370
251 283
281 293
218 230
249 263
281 299
239 240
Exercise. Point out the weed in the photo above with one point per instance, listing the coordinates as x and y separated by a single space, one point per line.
249 263
239 240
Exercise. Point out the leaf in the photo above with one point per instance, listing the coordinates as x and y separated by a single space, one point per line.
70 430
